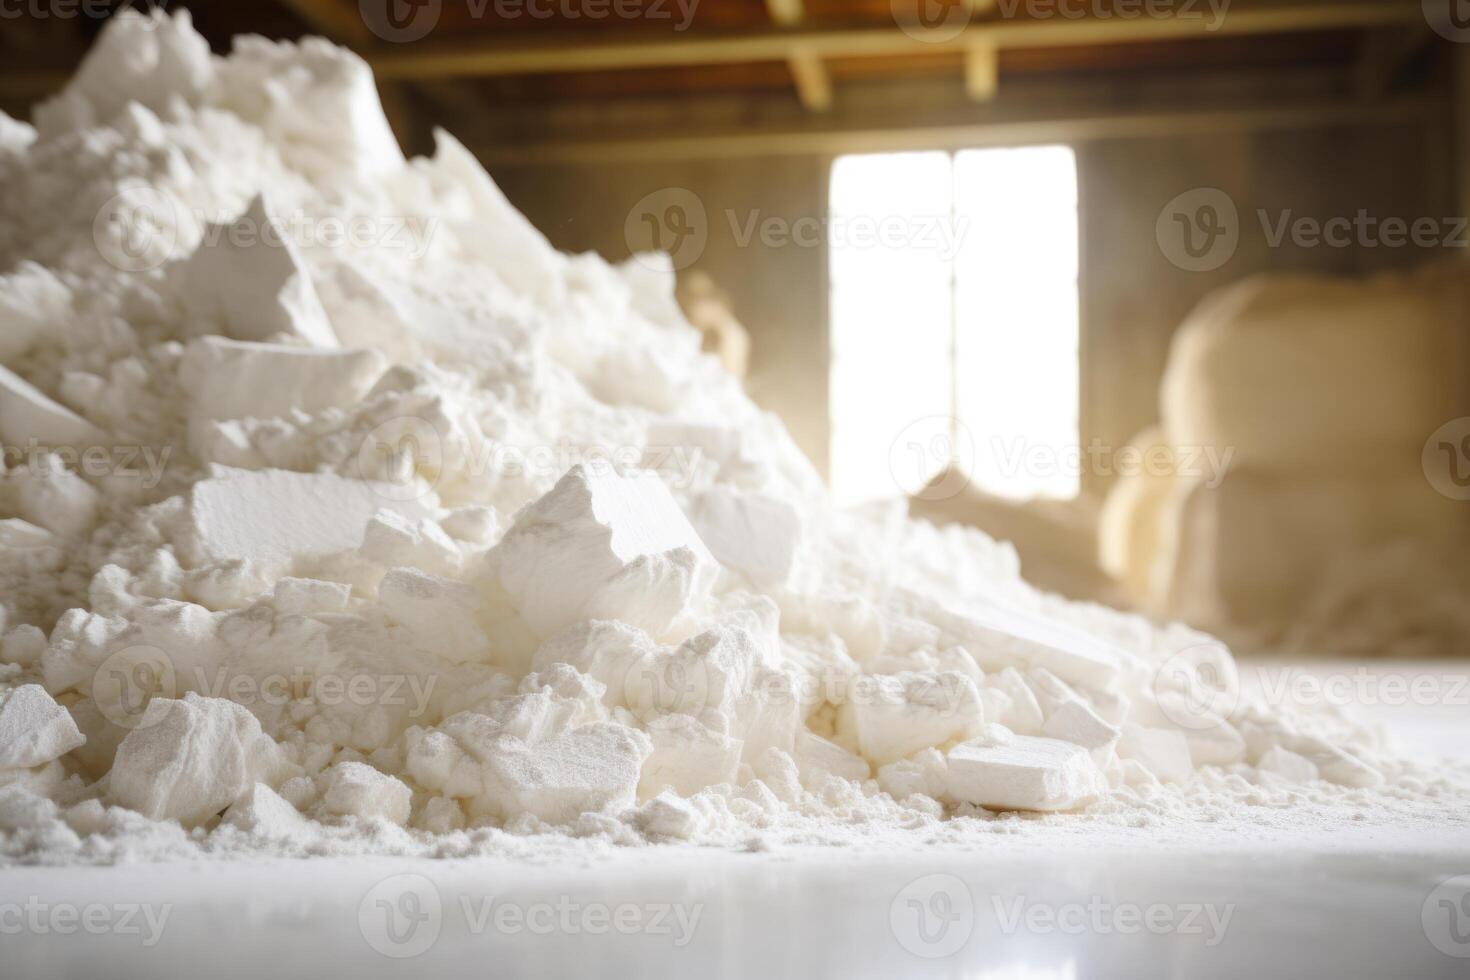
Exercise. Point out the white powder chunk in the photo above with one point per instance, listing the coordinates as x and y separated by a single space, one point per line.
752 533
1077 723
262 812
592 768
438 612
190 759
56 498
27 415
356 789
1163 752
586 537
1026 774
247 281
687 756
233 379
893 716
302 596
277 515
34 729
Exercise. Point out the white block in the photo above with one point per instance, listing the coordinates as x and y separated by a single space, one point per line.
392 539
355 789
566 548
1025 774
440 613
23 535
34 729
1069 653
27 414
814 754
57 499
1288 765
607 651
32 302
754 534
303 596
1077 723
263 813
1023 716
277 515
190 759
1163 752
595 767
895 715
687 757
925 773
247 281
235 379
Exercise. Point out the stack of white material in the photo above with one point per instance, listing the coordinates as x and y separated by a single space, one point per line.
466 535
1295 414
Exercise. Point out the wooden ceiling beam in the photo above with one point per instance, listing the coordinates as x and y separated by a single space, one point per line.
447 59
813 83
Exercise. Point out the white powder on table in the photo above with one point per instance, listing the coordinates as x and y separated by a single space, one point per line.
346 516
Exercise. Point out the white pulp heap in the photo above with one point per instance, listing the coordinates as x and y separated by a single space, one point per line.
343 512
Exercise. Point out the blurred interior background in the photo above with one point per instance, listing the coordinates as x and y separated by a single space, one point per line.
1172 294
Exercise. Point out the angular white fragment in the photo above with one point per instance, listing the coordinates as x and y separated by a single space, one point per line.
1077 723
1026 774
32 302
28 416
687 756
814 754
277 515
234 379
1288 765
593 527
439 612
752 533
189 759
595 767
356 789
34 729
1163 752
1023 715
896 715
247 281
392 539
56 498
263 813
18 534
302 596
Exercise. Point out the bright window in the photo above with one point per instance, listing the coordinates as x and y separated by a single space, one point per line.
954 321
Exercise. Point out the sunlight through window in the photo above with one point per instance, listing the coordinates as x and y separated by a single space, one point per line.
954 294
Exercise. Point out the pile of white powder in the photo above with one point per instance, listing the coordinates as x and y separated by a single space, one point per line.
345 515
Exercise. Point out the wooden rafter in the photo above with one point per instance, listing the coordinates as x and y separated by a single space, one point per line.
813 84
